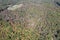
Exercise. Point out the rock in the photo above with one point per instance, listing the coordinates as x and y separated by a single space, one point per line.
15 7
57 2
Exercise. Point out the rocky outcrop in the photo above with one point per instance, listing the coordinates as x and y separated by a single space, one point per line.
14 7
57 2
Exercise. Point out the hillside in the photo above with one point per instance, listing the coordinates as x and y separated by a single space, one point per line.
36 20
